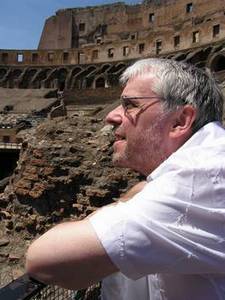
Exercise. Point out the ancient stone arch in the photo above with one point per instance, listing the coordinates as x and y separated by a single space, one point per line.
80 79
26 78
103 69
117 68
3 72
181 56
50 81
114 73
93 75
100 82
36 82
13 75
217 63
72 76
199 56
61 77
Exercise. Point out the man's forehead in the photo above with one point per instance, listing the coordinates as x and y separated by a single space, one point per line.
150 76
140 84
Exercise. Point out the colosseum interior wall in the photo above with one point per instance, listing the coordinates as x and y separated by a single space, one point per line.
88 48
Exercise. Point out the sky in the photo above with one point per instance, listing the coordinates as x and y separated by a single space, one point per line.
22 21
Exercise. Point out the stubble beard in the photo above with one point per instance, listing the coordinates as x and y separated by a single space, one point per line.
120 159
144 153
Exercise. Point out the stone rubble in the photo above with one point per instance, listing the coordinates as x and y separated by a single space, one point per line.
64 173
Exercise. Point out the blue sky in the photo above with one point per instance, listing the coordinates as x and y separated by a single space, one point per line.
21 21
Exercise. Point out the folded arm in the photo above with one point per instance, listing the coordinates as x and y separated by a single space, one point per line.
69 255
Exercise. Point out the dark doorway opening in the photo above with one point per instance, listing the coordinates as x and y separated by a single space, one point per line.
8 162
61 86
100 82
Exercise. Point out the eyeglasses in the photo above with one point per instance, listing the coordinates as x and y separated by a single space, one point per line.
129 103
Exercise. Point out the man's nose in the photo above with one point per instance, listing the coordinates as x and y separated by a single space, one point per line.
115 116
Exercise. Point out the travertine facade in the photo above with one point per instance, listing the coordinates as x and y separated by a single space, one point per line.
89 47
120 32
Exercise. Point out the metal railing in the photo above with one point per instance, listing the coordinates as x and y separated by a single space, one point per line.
27 288
10 145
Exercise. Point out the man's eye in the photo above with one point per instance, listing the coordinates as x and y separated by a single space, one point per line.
129 104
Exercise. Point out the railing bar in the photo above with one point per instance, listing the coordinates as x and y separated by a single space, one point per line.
26 288
21 289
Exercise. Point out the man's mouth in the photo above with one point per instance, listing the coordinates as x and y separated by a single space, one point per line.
119 137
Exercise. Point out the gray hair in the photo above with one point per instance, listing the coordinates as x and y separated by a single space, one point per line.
178 84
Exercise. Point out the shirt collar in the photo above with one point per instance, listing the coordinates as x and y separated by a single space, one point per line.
204 136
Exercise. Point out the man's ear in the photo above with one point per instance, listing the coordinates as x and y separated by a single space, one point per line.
183 120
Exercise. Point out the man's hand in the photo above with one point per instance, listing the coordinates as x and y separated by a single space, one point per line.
133 191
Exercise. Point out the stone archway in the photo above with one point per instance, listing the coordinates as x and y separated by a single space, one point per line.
39 77
2 73
26 79
217 63
13 77
80 78
62 75
72 77
198 56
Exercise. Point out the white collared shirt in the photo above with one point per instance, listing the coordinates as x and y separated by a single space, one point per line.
168 241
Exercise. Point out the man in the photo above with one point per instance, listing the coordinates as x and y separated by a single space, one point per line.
167 238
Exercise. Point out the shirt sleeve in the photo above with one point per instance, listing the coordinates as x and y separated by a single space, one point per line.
175 224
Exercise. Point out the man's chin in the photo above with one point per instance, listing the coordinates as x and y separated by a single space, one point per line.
121 161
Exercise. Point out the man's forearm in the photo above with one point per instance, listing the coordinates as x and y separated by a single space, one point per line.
69 255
